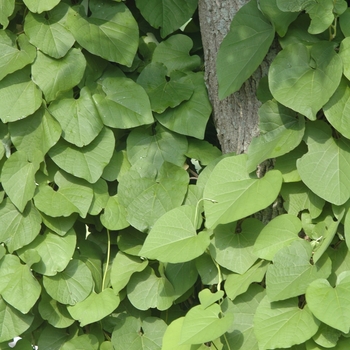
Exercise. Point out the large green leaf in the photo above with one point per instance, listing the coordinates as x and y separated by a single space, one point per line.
145 290
54 251
54 76
12 322
304 78
48 33
134 334
169 15
18 287
18 177
95 307
13 59
280 132
18 229
40 5
79 118
38 132
19 95
86 162
110 32
232 194
126 104
331 305
232 246
173 237
70 286
6 9
325 168
146 199
291 271
195 111
243 48
295 325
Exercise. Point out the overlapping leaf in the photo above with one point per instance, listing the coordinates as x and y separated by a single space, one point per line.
41 5
6 9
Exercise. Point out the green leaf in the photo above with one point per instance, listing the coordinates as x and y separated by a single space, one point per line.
174 54
207 269
95 307
55 76
304 78
130 241
86 162
326 336
169 15
173 237
70 286
6 9
114 215
20 96
12 322
321 298
100 198
160 146
40 5
54 251
18 229
278 233
126 104
280 132
38 132
18 177
291 271
345 23
232 194
73 196
51 337
19 287
195 111
60 225
146 199
123 267
325 167
145 290
133 334
295 325
232 246
243 48
13 58
202 324
78 118
47 31
336 109
202 150
110 32
82 342
344 54
163 93
55 313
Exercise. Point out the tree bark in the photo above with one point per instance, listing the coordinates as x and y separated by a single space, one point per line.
235 117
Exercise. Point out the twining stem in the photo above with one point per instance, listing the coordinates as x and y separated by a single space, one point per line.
197 207
107 261
333 29
218 287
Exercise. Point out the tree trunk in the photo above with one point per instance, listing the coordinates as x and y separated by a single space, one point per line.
235 117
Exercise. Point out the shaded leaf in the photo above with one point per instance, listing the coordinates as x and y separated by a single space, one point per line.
40 5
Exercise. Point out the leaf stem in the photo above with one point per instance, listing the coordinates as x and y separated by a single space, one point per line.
107 261
227 343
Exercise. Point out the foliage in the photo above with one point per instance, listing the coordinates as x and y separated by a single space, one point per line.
122 227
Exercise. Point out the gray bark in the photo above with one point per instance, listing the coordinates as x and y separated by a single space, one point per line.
235 117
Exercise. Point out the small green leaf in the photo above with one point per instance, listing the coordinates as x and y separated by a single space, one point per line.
114 215
86 162
243 48
126 104
173 237
345 23
321 298
295 325
232 194
6 9
110 32
82 342
48 33
70 286
145 290
95 307
56 76
202 150
78 118
101 196
169 15
40 5
18 177
304 78
20 96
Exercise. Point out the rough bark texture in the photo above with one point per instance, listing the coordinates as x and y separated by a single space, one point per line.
235 117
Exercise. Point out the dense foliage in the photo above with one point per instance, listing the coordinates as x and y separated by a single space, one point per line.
122 227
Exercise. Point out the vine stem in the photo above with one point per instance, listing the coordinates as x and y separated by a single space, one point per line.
107 261
227 343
